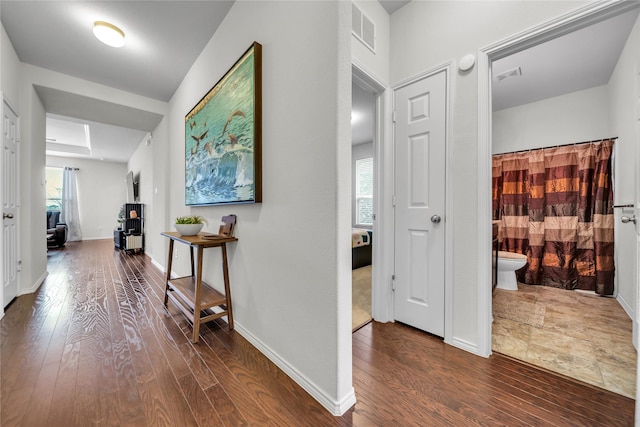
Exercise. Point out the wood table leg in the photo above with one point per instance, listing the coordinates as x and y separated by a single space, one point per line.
227 286
166 285
196 308
191 256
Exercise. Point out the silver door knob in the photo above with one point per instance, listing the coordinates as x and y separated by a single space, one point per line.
626 219
6 215
435 219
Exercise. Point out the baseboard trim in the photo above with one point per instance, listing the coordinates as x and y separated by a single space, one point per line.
335 407
627 308
466 345
35 286
157 264
97 238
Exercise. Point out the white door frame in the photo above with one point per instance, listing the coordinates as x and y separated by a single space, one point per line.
580 18
381 295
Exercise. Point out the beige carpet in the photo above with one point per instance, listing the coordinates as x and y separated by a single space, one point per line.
519 307
361 296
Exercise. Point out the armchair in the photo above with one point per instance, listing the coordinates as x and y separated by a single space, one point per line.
56 230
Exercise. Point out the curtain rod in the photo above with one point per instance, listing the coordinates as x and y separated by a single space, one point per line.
556 146
70 168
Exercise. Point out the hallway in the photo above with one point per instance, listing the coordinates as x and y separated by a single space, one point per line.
95 346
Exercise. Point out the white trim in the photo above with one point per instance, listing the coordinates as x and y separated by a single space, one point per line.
9 104
335 407
625 306
448 209
382 251
483 318
158 265
445 66
579 18
464 345
94 238
1 204
35 286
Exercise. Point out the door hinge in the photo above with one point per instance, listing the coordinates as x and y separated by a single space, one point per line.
393 116
393 282
19 266
393 201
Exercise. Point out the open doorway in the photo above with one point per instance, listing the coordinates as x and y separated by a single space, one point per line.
363 109
555 333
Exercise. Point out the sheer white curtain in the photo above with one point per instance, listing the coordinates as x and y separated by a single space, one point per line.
70 211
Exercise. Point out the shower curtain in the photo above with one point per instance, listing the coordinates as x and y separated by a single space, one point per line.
555 205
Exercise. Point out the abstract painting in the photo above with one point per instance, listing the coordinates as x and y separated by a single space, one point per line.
223 132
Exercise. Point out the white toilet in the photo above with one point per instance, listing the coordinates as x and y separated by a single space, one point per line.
508 263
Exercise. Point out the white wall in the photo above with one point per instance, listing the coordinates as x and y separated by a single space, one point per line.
292 299
32 174
9 70
33 249
141 164
101 194
360 151
423 36
574 117
31 186
624 91
377 63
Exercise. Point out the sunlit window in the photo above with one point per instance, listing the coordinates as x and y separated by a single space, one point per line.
364 191
54 188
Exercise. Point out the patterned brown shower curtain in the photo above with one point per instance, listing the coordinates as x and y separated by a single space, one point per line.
555 205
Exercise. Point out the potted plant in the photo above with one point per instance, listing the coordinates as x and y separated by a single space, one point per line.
190 225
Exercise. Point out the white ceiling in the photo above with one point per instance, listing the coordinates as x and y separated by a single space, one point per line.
71 137
392 5
577 61
165 37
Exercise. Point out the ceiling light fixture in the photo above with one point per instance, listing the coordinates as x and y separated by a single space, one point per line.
108 34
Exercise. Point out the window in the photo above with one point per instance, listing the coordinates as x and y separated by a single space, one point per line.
364 191
54 188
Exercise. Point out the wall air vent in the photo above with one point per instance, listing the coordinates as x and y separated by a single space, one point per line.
508 74
363 28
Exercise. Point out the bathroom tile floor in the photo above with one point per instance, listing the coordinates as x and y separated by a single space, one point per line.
583 336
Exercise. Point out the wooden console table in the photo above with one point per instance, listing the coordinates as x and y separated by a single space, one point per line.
192 296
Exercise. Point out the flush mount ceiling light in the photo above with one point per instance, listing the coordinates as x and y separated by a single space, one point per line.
108 34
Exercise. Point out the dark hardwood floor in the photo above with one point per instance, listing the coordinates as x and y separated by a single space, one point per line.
95 346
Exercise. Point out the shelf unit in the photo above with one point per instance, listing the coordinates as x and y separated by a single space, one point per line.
130 236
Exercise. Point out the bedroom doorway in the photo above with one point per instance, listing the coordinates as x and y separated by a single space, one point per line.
370 99
363 109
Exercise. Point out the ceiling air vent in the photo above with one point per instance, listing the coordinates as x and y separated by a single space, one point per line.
363 28
508 74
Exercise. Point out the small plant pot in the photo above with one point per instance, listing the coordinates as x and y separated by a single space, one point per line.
188 229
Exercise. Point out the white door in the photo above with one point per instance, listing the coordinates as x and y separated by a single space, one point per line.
9 159
636 212
420 203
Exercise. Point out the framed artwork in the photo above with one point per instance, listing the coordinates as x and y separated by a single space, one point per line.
223 138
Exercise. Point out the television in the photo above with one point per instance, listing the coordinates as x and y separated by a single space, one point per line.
132 188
